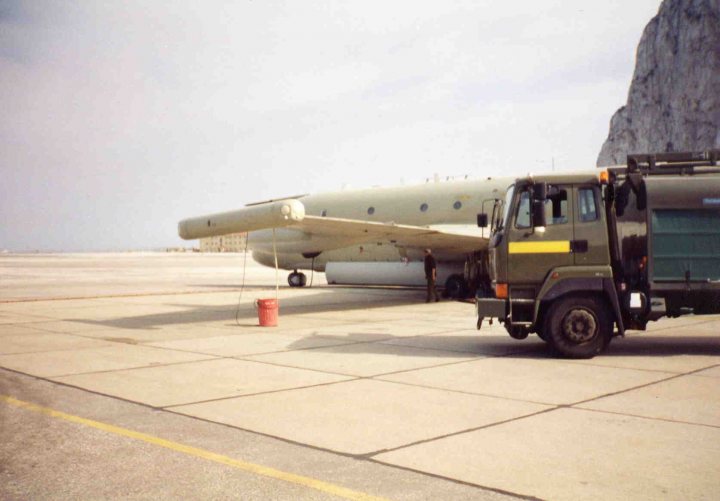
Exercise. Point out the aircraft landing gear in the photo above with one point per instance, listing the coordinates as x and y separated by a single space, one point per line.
296 279
456 287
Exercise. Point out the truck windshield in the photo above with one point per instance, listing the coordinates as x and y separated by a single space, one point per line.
506 207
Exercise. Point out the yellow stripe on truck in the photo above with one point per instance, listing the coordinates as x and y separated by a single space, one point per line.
551 247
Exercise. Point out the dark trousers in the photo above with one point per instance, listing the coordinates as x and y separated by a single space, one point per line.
431 289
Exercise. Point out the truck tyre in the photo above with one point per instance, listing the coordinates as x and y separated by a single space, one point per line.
578 327
541 334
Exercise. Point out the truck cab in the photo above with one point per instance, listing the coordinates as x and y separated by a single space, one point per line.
571 256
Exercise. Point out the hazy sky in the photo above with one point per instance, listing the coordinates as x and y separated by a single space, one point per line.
119 118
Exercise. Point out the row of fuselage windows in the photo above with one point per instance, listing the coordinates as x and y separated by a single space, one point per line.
423 208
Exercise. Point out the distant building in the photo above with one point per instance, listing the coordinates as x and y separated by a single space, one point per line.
235 242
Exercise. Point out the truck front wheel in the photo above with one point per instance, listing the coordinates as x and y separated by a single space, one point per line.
578 327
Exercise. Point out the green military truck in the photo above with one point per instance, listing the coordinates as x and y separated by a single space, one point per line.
577 258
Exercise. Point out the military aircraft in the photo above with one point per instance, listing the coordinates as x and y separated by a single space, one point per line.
371 236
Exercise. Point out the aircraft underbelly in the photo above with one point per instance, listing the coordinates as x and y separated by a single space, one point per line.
369 253
408 274
376 266
289 241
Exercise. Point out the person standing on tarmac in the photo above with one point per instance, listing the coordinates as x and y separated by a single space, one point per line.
430 275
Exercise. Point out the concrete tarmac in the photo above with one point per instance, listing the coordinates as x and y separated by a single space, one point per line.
146 376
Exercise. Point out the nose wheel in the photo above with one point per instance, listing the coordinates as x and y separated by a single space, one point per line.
296 279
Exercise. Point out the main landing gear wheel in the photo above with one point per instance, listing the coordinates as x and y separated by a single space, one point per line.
578 327
455 287
296 279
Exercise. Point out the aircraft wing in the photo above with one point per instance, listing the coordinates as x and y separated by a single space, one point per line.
447 237
290 213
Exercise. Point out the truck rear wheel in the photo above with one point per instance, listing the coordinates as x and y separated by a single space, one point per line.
578 327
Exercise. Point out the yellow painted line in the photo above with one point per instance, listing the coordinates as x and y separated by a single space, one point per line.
257 469
549 247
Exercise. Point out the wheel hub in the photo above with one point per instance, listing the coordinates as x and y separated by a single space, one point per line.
580 326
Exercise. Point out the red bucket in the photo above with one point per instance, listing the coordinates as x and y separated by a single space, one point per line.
267 312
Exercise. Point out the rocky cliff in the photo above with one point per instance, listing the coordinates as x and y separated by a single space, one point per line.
674 98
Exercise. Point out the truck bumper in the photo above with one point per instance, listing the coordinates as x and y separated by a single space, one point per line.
491 307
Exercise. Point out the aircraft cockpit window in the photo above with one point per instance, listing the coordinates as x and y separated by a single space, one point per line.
371 210
423 207
457 205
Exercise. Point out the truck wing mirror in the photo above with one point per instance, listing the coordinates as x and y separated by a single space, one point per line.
538 213
540 191
482 220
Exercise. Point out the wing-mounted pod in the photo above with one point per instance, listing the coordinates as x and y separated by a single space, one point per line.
255 217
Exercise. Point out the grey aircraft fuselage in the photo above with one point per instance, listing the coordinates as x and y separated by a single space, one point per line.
444 205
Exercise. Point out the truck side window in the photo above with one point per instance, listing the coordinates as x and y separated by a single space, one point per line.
522 219
556 206
586 204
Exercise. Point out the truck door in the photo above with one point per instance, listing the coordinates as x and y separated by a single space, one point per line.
590 243
533 252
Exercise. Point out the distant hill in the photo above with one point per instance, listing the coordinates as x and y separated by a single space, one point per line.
674 98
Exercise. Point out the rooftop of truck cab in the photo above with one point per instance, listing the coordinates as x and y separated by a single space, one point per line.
589 177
